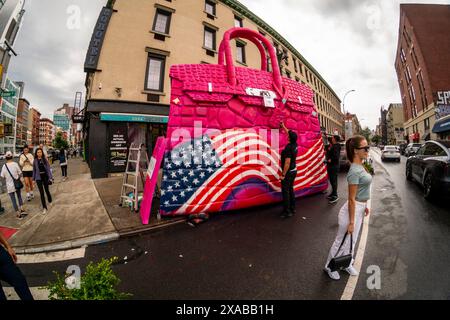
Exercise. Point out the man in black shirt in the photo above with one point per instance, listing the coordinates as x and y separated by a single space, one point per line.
333 159
289 172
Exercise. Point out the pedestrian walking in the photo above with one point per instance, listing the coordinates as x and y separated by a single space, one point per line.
289 172
44 149
11 173
10 272
333 164
26 160
42 174
352 212
63 162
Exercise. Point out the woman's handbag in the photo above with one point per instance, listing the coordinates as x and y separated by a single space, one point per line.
342 262
17 183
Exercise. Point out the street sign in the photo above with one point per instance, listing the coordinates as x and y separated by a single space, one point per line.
7 94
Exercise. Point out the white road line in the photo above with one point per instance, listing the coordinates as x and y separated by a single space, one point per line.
51 256
353 280
38 294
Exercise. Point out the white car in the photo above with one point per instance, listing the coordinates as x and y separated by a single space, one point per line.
390 153
2 157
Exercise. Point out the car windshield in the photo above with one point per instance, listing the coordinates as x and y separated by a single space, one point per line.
416 145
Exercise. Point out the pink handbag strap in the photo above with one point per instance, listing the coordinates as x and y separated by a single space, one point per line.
252 36
258 45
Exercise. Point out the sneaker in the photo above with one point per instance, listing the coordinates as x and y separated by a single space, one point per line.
44 211
334 275
329 196
334 200
32 195
352 271
28 198
19 217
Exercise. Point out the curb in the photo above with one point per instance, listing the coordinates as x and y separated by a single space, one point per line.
70 244
151 228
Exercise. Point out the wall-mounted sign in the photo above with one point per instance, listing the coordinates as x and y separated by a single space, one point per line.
98 36
125 117
118 148
442 104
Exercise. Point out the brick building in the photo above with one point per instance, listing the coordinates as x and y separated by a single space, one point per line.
422 64
46 132
23 110
34 117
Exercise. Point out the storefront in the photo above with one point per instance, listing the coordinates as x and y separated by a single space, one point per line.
110 134
442 128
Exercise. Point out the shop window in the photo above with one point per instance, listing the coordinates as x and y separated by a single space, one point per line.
238 23
240 54
161 23
210 9
155 73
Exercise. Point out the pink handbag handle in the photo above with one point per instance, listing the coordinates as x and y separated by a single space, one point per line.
258 44
252 36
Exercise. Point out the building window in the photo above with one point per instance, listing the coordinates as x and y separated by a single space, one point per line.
210 8
155 73
300 67
427 124
414 58
402 55
286 57
297 79
162 21
240 54
238 22
295 64
210 39
288 74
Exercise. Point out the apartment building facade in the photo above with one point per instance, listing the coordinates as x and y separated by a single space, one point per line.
422 64
394 120
23 111
133 46
47 131
34 119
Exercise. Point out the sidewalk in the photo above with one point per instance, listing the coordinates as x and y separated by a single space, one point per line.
83 212
76 216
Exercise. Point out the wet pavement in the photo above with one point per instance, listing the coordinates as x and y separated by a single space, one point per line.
253 254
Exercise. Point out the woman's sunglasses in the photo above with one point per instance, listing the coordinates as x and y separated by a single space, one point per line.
364 148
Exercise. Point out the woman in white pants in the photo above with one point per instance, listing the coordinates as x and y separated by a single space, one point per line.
352 212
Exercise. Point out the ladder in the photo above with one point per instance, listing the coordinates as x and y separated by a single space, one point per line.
137 165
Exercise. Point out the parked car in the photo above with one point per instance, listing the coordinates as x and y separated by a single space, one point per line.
430 167
344 164
2 156
402 148
390 153
412 148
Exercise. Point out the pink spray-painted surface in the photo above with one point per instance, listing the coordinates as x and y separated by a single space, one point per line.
151 179
223 148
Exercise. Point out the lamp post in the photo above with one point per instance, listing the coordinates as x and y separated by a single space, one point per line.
343 110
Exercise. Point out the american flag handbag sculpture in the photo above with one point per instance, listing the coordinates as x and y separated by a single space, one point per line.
223 137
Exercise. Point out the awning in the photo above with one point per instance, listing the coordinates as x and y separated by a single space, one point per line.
128 117
442 125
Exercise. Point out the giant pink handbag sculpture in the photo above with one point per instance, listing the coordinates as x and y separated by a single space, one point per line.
223 138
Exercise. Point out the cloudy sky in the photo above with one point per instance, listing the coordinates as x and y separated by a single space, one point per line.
351 43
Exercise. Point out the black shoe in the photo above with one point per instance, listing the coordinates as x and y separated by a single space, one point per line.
284 215
329 197
334 199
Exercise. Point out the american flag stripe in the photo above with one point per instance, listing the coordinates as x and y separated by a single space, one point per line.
235 173
218 179
317 167
311 181
317 146
229 155
218 187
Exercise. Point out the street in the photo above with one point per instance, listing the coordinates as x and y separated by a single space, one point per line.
256 255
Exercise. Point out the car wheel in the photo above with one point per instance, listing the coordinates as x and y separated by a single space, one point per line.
408 173
428 189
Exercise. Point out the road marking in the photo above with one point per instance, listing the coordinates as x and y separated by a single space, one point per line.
353 280
38 294
51 256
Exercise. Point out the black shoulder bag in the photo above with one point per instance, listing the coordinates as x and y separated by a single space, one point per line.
344 261
17 183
